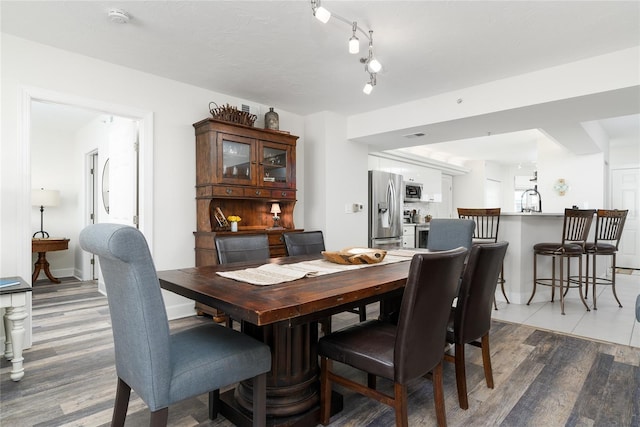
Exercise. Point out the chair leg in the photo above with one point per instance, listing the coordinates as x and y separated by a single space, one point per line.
461 376
535 276
325 391
580 283
371 381
486 360
553 277
400 405
214 404
438 395
362 312
123 392
260 400
613 279
586 279
561 285
159 418
502 284
593 287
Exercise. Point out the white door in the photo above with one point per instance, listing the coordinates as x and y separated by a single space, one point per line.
120 173
625 193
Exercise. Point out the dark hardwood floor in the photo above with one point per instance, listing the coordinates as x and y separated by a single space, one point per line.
542 378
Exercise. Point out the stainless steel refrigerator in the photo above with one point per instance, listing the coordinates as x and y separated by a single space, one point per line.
385 210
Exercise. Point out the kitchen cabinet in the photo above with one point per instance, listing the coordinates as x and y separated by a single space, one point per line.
408 236
431 179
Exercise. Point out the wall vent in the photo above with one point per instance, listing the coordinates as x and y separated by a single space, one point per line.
245 108
415 135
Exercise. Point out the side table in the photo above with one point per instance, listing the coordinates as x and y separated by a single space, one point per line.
14 300
42 246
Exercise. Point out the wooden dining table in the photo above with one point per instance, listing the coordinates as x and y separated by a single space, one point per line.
285 317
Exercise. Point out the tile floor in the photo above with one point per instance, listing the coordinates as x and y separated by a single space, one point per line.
608 323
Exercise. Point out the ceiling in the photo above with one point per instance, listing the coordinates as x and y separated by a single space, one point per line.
276 53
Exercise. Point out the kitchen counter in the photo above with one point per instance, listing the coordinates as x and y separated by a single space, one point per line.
531 214
522 231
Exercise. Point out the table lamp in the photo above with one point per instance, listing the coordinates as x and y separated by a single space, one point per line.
41 197
275 210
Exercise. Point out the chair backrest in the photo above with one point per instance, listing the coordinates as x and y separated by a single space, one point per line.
446 234
304 243
487 222
472 316
609 225
577 223
424 312
138 315
247 247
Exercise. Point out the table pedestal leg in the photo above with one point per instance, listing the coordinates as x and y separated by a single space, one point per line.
292 385
16 316
43 264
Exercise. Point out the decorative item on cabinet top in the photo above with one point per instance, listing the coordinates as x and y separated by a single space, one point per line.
231 114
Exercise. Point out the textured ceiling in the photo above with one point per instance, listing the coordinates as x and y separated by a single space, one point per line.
276 53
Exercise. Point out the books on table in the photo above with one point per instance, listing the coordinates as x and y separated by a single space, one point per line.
9 282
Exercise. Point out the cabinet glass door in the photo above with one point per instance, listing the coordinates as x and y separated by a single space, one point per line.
236 160
275 167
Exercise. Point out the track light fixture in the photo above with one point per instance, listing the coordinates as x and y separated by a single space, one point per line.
371 65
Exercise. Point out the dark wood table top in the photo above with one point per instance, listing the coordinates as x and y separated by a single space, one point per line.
298 301
49 244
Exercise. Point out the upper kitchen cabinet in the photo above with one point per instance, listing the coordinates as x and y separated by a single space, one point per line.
431 179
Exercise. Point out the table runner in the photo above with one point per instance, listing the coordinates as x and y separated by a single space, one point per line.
272 274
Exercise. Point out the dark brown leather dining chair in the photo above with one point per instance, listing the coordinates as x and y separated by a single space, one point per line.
402 352
470 319
250 247
312 242
241 248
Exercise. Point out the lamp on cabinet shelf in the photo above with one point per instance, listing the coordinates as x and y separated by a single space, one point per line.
275 210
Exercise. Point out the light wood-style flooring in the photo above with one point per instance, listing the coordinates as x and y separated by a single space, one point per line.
542 378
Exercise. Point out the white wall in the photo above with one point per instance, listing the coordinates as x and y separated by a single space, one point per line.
337 176
175 106
51 162
585 176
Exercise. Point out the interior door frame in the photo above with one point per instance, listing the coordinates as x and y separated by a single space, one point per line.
29 94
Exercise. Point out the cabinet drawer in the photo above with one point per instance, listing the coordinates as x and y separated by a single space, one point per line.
228 191
256 192
283 194
277 251
275 239
408 230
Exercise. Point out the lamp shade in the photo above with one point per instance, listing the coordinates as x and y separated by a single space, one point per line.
42 197
275 208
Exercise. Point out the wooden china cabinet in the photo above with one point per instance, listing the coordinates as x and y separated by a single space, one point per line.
242 170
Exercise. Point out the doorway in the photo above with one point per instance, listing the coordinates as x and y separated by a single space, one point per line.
26 97
625 194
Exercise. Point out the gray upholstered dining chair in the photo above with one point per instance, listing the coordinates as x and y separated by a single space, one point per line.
470 319
446 234
402 352
242 248
163 367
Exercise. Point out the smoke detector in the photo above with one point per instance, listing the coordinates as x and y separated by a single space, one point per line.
118 16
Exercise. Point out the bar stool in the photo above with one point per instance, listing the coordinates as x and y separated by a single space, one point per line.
609 225
486 231
575 230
